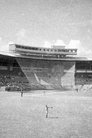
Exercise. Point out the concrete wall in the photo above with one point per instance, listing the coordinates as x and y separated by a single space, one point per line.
46 74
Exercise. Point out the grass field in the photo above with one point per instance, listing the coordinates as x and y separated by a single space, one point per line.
24 117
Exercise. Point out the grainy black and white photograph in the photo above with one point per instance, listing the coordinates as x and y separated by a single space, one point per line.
45 68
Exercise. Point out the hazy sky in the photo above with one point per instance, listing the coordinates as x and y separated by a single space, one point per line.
46 22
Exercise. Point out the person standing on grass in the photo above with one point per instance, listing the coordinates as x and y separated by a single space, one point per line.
21 91
46 111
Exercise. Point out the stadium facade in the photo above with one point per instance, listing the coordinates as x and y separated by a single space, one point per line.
44 68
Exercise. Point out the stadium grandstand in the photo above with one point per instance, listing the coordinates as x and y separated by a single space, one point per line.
35 68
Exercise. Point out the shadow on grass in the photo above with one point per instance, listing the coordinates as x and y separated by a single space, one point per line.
56 117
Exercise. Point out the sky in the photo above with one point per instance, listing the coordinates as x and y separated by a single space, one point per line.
47 22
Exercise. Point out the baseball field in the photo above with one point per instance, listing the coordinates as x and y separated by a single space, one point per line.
25 117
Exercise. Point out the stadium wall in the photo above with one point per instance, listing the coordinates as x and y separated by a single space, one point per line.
46 74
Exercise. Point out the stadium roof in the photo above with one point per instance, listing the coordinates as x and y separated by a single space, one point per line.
17 55
10 54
